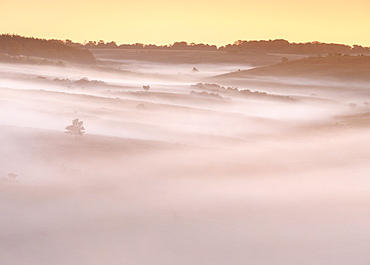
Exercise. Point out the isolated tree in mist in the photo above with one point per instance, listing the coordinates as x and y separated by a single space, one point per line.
284 60
11 178
146 88
76 128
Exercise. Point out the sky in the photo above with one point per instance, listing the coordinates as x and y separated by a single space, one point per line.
201 21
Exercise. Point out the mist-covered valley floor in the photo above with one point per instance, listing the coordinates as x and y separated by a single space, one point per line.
201 167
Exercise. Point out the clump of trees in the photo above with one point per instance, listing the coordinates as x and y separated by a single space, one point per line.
215 89
206 94
11 177
76 128
284 60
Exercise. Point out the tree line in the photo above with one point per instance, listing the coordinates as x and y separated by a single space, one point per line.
284 46
181 45
254 46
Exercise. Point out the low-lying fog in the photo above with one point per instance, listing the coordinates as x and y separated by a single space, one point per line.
180 172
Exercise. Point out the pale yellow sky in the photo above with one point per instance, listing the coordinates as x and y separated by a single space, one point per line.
164 21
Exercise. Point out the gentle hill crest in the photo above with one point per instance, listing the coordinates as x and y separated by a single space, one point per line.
332 66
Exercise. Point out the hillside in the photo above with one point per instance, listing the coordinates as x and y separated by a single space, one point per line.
343 67
186 56
186 170
14 45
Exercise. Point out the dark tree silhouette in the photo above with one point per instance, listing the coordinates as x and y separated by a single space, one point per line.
76 128
284 60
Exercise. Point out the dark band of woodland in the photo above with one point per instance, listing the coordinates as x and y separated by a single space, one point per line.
261 46
52 49
14 45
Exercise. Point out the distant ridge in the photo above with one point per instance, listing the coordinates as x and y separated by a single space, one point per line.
67 50
244 46
284 46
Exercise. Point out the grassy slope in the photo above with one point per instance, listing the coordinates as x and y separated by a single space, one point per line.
187 57
339 67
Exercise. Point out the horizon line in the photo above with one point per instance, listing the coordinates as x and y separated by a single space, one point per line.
179 41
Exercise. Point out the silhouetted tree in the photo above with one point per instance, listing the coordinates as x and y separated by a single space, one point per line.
76 128
111 44
11 178
182 45
284 60
146 88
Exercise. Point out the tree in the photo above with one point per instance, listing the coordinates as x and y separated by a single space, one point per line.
284 60
146 88
76 128
11 178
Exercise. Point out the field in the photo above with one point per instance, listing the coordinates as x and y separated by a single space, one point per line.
201 167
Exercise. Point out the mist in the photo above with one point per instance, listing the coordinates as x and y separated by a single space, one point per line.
241 172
